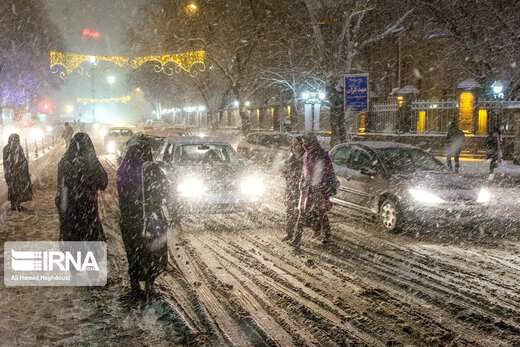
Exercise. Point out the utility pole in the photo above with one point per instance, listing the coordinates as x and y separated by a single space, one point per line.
399 60
93 94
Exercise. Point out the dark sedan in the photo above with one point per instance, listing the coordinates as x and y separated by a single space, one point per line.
401 183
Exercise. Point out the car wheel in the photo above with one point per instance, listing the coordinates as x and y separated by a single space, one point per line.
390 217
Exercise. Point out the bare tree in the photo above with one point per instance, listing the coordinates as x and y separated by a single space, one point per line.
26 37
342 29
484 52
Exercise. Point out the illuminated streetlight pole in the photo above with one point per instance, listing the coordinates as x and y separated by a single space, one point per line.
312 109
498 93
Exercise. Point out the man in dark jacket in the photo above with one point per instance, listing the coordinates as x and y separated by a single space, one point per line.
16 172
316 187
67 133
494 150
80 177
454 144
292 172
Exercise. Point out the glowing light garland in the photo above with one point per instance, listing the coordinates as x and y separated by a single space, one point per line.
69 62
123 99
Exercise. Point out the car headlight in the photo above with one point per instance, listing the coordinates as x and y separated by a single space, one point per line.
425 196
36 134
191 187
111 147
252 186
484 196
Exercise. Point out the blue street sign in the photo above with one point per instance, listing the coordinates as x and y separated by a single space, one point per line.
356 92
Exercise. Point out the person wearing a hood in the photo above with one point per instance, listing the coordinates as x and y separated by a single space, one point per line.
292 172
80 177
317 184
454 144
16 172
67 133
494 150
139 197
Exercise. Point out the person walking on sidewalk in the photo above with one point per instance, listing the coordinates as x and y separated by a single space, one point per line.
494 150
454 144
80 177
292 172
317 184
67 133
16 173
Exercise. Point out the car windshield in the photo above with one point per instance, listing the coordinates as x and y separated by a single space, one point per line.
206 154
408 160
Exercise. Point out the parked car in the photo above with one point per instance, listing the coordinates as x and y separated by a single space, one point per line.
206 175
265 147
115 138
400 183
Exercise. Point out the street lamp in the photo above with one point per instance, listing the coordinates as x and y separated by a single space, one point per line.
313 102
498 87
69 109
111 79
192 8
498 91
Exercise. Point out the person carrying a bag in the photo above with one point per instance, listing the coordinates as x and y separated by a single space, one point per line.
292 172
318 183
146 260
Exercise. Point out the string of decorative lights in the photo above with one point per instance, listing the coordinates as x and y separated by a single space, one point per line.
183 61
123 99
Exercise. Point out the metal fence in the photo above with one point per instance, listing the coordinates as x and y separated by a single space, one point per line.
433 117
382 118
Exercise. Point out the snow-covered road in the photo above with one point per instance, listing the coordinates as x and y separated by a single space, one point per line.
230 281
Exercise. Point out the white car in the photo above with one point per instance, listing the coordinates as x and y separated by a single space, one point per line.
115 138
206 175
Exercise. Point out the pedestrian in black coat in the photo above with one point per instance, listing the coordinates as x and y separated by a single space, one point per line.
16 172
454 144
138 198
494 150
80 177
292 172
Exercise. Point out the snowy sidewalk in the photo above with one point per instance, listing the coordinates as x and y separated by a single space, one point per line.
478 169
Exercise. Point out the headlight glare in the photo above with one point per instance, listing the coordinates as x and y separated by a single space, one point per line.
36 134
111 147
191 187
483 196
425 196
252 186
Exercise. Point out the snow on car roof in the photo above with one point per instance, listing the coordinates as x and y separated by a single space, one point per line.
381 144
197 140
271 133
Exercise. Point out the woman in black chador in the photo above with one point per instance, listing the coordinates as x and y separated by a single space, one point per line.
140 198
16 171
80 176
